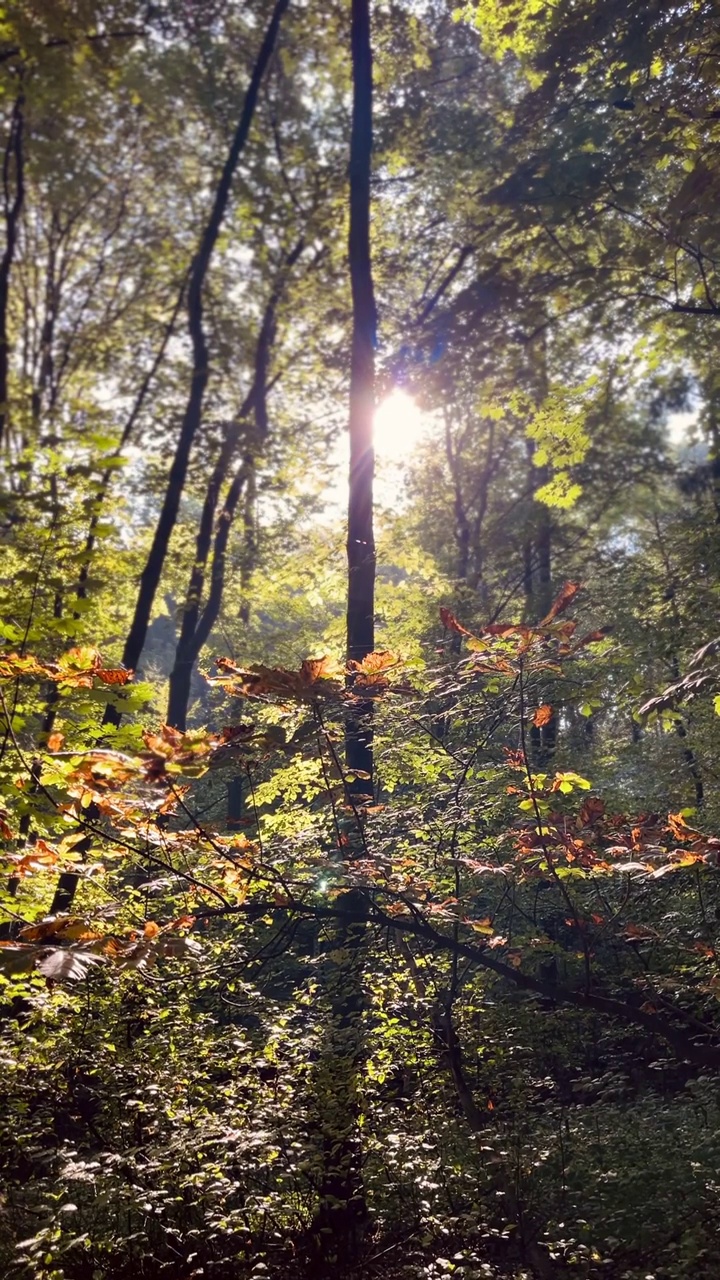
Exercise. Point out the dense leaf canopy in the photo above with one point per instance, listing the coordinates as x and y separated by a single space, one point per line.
360 824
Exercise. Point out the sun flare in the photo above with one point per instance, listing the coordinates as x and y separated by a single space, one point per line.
399 426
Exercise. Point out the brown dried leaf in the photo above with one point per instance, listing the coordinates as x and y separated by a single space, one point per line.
561 602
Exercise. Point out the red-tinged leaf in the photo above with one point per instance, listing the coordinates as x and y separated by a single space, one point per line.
182 922
640 932
561 602
450 622
505 629
592 637
543 715
375 663
236 733
314 669
114 675
258 681
591 811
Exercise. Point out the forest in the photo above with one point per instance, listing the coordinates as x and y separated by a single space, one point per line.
360 640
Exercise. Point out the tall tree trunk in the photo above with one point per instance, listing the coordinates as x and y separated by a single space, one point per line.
150 577
105 481
341 1217
360 536
538 562
13 203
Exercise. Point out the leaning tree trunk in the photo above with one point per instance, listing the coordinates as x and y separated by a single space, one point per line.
197 622
341 1219
150 577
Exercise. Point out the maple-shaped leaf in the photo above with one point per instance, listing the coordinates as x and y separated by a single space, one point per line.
561 602
543 715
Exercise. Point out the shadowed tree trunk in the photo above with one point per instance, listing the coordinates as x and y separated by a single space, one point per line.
360 536
192 417
341 1218
538 559
197 622
13 203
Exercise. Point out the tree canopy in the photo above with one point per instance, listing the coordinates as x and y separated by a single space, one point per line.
359 655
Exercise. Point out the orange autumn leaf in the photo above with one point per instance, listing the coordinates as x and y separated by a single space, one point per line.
543 715
450 622
561 602
55 741
680 829
113 675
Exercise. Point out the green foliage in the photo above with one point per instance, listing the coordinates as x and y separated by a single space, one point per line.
489 972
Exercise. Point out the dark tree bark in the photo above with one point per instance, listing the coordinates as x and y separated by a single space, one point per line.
13 203
168 330
188 648
341 1218
150 577
360 536
196 625
538 573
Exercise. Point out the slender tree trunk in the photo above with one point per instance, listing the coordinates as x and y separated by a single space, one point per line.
150 577
185 657
127 431
538 573
360 537
194 622
13 202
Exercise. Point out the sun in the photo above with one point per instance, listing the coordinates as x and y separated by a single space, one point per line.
399 426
